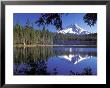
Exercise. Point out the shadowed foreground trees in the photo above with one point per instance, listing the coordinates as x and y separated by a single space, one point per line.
90 18
55 19
50 19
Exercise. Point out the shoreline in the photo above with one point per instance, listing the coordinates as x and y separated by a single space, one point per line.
54 45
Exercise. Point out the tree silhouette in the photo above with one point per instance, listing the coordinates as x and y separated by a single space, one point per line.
55 19
50 19
90 18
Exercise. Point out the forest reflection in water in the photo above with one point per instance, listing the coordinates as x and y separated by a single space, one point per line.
52 60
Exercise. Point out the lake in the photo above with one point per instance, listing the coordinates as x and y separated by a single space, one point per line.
55 60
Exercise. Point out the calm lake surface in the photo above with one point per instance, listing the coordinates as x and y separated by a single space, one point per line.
54 60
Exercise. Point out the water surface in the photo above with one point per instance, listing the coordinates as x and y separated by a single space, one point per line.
54 60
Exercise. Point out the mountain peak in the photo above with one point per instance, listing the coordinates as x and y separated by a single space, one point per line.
74 29
75 24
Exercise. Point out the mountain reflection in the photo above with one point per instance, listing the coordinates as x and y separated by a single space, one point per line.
75 58
50 60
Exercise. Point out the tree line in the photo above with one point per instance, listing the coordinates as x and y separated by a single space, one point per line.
86 37
27 35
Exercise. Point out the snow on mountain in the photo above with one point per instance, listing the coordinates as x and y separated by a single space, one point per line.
74 29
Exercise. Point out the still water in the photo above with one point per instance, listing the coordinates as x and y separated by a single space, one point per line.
54 60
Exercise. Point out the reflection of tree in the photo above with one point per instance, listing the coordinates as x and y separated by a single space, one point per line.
38 68
32 61
23 55
86 71
32 68
55 71
34 58
62 51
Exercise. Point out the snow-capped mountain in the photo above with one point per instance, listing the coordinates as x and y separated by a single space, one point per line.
74 29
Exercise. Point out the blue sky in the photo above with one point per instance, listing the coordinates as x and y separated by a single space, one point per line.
71 18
